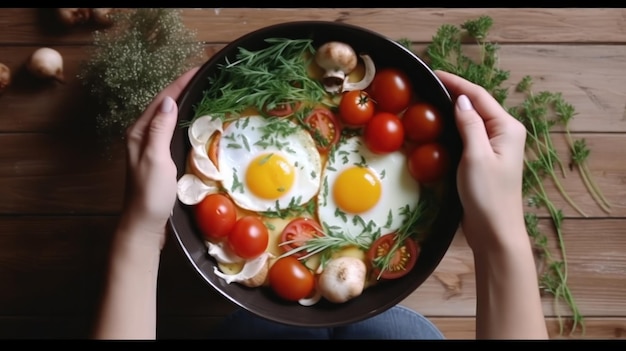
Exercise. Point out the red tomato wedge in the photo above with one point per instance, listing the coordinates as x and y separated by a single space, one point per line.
298 231
401 261
325 128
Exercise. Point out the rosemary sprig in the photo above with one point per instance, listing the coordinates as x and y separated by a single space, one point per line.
262 79
415 224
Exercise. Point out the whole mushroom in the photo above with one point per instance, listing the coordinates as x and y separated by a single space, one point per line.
5 77
73 16
338 60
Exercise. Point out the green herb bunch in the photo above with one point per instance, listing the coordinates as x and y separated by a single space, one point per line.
539 113
139 55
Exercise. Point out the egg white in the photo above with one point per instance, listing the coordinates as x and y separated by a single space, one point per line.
399 190
247 138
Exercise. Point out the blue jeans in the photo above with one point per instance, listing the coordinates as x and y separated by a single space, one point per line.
397 322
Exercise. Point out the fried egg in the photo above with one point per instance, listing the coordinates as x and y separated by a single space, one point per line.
268 164
365 193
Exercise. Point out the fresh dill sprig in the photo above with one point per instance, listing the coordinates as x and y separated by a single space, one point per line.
446 53
263 79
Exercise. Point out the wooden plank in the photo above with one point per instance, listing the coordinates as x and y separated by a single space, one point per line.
170 327
595 90
67 173
596 328
597 269
54 267
221 25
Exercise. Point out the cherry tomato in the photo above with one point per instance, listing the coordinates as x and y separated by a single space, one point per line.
422 122
428 162
282 109
356 108
299 230
384 133
215 215
391 90
291 279
249 237
324 127
401 261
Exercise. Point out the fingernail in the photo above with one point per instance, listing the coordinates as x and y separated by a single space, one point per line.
464 103
167 105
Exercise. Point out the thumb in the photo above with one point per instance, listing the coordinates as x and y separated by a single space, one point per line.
162 125
471 126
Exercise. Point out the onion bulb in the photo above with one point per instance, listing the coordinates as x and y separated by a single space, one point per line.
46 63
5 77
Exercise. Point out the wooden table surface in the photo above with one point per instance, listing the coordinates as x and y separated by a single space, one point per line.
60 196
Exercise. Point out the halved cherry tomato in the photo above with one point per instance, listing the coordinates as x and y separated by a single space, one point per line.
215 215
282 109
400 263
297 232
249 237
356 108
391 90
422 122
428 162
324 127
384 133
291 279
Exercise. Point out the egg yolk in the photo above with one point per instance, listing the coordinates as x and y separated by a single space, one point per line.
356 190
270 176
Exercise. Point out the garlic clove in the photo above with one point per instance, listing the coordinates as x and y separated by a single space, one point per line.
343 278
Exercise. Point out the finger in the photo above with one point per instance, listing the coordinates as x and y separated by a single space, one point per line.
162 127
138 129
486 106
471 127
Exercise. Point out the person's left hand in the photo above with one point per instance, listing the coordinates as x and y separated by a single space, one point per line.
151 172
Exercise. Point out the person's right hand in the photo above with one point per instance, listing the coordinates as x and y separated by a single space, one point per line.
490 171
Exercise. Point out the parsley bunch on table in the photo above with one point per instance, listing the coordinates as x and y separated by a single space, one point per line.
540 113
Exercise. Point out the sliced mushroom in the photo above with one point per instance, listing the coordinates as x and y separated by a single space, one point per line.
191 189
253 273
199 133
368 77
222 253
